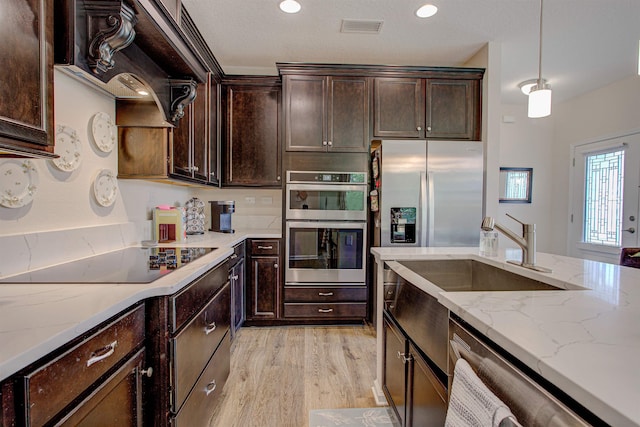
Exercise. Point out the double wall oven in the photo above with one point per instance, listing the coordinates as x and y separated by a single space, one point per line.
326 216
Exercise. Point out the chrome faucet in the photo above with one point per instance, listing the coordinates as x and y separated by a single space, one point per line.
527 242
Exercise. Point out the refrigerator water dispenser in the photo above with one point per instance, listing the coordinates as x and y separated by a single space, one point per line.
403 225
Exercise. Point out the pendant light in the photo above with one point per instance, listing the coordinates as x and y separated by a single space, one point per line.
540 94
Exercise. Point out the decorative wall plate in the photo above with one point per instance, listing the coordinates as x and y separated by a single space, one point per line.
104 132
18 182
68 147
105 187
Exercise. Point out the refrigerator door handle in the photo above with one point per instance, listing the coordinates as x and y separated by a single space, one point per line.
423 209
431 208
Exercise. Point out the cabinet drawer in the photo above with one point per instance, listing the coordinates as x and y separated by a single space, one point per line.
74 371
329 311
118 400
206 394
190 300
194 345
325 294
265 247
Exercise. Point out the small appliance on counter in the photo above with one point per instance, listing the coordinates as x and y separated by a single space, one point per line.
221 216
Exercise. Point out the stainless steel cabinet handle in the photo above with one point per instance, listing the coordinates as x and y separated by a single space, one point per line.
212 173
195 168
278 178
275 265
324 143
428 128
102 353
210 387
210 328
419 128
325 310
630 230
330 143
234 256
265 247
325 294
235 277
404 357
148 372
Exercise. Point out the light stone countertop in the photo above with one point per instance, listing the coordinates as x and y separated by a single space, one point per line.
586 342
36 319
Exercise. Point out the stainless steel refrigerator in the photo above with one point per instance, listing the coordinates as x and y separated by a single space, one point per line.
429 193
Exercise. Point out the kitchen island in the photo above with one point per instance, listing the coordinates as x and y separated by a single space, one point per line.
584 339
36 319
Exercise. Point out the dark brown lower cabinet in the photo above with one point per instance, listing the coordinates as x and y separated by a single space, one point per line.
189 351
410 383
117 402
237 279
263 296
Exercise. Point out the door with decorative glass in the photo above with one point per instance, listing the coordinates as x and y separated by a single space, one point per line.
605 207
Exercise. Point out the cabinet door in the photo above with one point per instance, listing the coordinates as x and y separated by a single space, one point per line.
452 109
252 137
116 402
263 288
26 92
304 112
237 297
214 130
394 375
398 107
348 114
190 145
200 134
428 397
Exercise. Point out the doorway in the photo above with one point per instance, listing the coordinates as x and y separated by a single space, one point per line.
605 198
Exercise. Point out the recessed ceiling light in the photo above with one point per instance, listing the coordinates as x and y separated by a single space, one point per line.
290 6
426 11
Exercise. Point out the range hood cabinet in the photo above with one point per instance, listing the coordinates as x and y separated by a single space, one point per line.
109 42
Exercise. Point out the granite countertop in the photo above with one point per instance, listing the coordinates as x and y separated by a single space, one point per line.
35 319
586 342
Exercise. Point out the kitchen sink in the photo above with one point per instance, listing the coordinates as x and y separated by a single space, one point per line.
468 275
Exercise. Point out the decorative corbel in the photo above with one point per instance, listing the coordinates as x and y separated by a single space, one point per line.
183 93
110 29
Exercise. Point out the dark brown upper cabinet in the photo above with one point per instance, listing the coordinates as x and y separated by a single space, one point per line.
251 149
190 147
26 79
326 113
434 108
398 107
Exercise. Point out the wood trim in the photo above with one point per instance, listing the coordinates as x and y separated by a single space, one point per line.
285 68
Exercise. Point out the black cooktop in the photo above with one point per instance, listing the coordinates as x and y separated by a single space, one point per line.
129 265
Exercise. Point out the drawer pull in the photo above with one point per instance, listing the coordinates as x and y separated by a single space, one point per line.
210 328
210 388
265 247
102 353
148 372
325 310
234 256
325 294
235 277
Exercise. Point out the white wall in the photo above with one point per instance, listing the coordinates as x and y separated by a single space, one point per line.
528 142
65 200
606 112
545 145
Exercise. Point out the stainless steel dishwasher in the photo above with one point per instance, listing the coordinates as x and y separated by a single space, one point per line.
532 404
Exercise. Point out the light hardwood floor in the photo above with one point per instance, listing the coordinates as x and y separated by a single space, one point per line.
278 374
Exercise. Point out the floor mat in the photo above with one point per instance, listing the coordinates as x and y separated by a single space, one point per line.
352 417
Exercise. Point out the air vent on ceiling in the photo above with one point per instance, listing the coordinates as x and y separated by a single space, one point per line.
366 26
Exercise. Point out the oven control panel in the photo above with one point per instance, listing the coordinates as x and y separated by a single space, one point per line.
326 177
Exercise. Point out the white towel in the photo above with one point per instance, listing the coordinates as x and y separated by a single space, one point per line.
471 402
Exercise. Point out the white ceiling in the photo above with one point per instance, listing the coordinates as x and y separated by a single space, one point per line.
586 43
